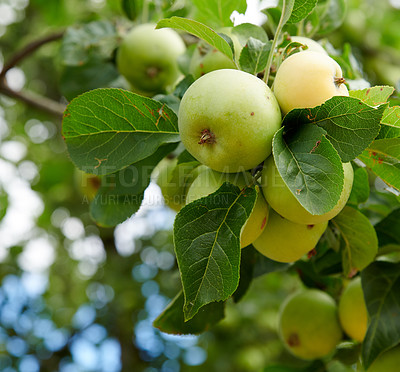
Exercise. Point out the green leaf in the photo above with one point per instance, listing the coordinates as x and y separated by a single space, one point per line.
171 320
390 123
331 14
301 9
81 43
388 229
359 237
381 286
310 167
360 190
287 11
200 30
121 193
383 158
246 30
350 124
132 8
108 129
252 265
254 56
76 80
374 96
218 12
207 245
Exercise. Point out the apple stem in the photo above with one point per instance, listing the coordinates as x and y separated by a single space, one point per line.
206 137
339 81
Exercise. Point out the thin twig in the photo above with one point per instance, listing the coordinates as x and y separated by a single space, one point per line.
30 98
274 42
34 100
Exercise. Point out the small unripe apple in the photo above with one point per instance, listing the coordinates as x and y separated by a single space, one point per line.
209 181
311 44
206 59
308 79
227 119
286 241
309 324
353 311
174 180
389 361
282 200
147 58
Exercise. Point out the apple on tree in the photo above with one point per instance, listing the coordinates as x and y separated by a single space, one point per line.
309 324
174 181
311 44
286 241
308 79
206 59
227 119
389 361
282 200
353 313
147 58
209 181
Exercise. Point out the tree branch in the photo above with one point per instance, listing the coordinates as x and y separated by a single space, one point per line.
30 98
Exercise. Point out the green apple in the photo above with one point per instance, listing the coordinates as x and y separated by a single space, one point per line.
281 199
309 324
286 241
174 180
310 43
353 313
147 58
206 59
209 181
308 79
389 361
227 119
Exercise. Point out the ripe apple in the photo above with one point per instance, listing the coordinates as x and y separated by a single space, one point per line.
227 119
281 199
311 44
174 180
286 241
308 79
147 58
209 181
206 59
389 361
353 313
309 324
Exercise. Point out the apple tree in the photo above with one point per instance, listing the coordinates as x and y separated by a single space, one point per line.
273 147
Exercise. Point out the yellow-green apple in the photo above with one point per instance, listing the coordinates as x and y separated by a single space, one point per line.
309 324
206 58
389 361
310 43
286 241
308 79
282 200
227 119
353 313
209 181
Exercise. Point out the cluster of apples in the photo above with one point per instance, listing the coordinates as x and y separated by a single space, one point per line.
311 324
227 119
